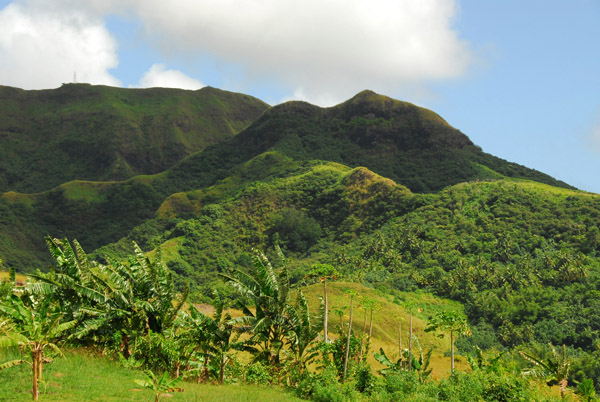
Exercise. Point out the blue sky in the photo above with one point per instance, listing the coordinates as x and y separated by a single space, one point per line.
520 78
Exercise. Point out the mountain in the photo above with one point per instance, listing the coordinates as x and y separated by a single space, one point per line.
411 145
85 132
386 192
144 130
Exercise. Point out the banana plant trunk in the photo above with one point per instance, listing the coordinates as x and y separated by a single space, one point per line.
36 367
222 369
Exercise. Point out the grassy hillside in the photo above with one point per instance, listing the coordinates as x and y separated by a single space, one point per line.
391 313
88 132
328 185
412 146
105 380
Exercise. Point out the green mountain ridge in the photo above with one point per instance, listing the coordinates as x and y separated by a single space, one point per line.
86 132
411 145
386 192
337 174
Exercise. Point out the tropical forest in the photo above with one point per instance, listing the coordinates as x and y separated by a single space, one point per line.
165 244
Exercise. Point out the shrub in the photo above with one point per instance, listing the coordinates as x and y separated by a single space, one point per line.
402 382
258 373
365 380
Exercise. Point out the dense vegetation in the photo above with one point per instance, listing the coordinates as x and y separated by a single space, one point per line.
381 192
131 311
85 132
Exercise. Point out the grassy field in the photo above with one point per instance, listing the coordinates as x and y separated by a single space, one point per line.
4 275
386 321
82 376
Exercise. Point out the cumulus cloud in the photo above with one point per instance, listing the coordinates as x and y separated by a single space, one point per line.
318 48
321 50
159 76
40 48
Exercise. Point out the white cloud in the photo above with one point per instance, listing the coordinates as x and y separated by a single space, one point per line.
158 76
320 48
42 49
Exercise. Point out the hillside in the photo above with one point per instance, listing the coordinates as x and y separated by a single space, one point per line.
385 192
84 132
413 146
408 144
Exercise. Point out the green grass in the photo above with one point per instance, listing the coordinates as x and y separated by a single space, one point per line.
81 190
82 376
386 319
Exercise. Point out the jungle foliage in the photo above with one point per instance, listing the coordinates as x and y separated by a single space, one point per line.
384 192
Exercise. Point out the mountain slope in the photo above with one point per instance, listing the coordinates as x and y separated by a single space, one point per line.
88 132
390 138
411 145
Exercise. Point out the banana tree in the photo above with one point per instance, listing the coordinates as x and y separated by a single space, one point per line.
266 319
214 337
35 327
553 370
128 298
159 385
391 367
304 329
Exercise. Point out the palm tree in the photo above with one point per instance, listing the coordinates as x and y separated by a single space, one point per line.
351 294
35 327
324 272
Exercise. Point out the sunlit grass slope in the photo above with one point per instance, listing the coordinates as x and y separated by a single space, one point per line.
391 312
83 376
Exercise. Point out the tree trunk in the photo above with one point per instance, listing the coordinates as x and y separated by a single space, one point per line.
206 374
563 387
370 332
348 342
362 339
410 344
325 315
452 352
125 346
400 342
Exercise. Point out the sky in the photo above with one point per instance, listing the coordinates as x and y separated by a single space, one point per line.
520 77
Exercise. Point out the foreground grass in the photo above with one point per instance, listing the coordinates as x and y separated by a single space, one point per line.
82 376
